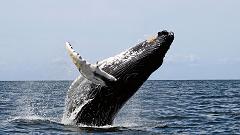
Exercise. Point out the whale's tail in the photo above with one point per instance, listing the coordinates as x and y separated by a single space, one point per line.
89 71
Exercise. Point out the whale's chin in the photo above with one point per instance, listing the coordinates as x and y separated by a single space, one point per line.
95 104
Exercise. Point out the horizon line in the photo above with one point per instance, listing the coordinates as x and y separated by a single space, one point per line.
146 80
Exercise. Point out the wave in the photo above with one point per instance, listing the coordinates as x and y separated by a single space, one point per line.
32 120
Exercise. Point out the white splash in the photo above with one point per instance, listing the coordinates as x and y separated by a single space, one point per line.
77 96
70 120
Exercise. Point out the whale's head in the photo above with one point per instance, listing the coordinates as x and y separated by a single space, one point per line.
152 51
140 61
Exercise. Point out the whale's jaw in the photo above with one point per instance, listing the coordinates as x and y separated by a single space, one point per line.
98 105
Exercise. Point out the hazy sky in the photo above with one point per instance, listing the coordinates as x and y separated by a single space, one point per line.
33 33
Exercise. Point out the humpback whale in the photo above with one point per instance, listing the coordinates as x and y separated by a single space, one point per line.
100 91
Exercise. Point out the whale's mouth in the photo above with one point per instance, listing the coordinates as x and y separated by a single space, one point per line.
165 34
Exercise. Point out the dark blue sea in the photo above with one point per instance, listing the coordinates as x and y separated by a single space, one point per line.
159 107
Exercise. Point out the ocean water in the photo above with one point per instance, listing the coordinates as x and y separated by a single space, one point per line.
159 107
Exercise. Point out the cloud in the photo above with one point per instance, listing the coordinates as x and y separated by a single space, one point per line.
228 60
3 65
182 58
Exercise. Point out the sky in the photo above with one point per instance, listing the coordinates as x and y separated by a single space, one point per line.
33 34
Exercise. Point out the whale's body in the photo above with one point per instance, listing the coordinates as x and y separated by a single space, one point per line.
94 104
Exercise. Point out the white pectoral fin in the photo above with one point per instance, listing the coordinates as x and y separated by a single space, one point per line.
91 72
76 58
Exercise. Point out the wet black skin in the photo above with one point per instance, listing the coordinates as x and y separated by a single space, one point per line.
109 99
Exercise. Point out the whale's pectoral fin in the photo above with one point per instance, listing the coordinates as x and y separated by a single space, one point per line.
89 71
